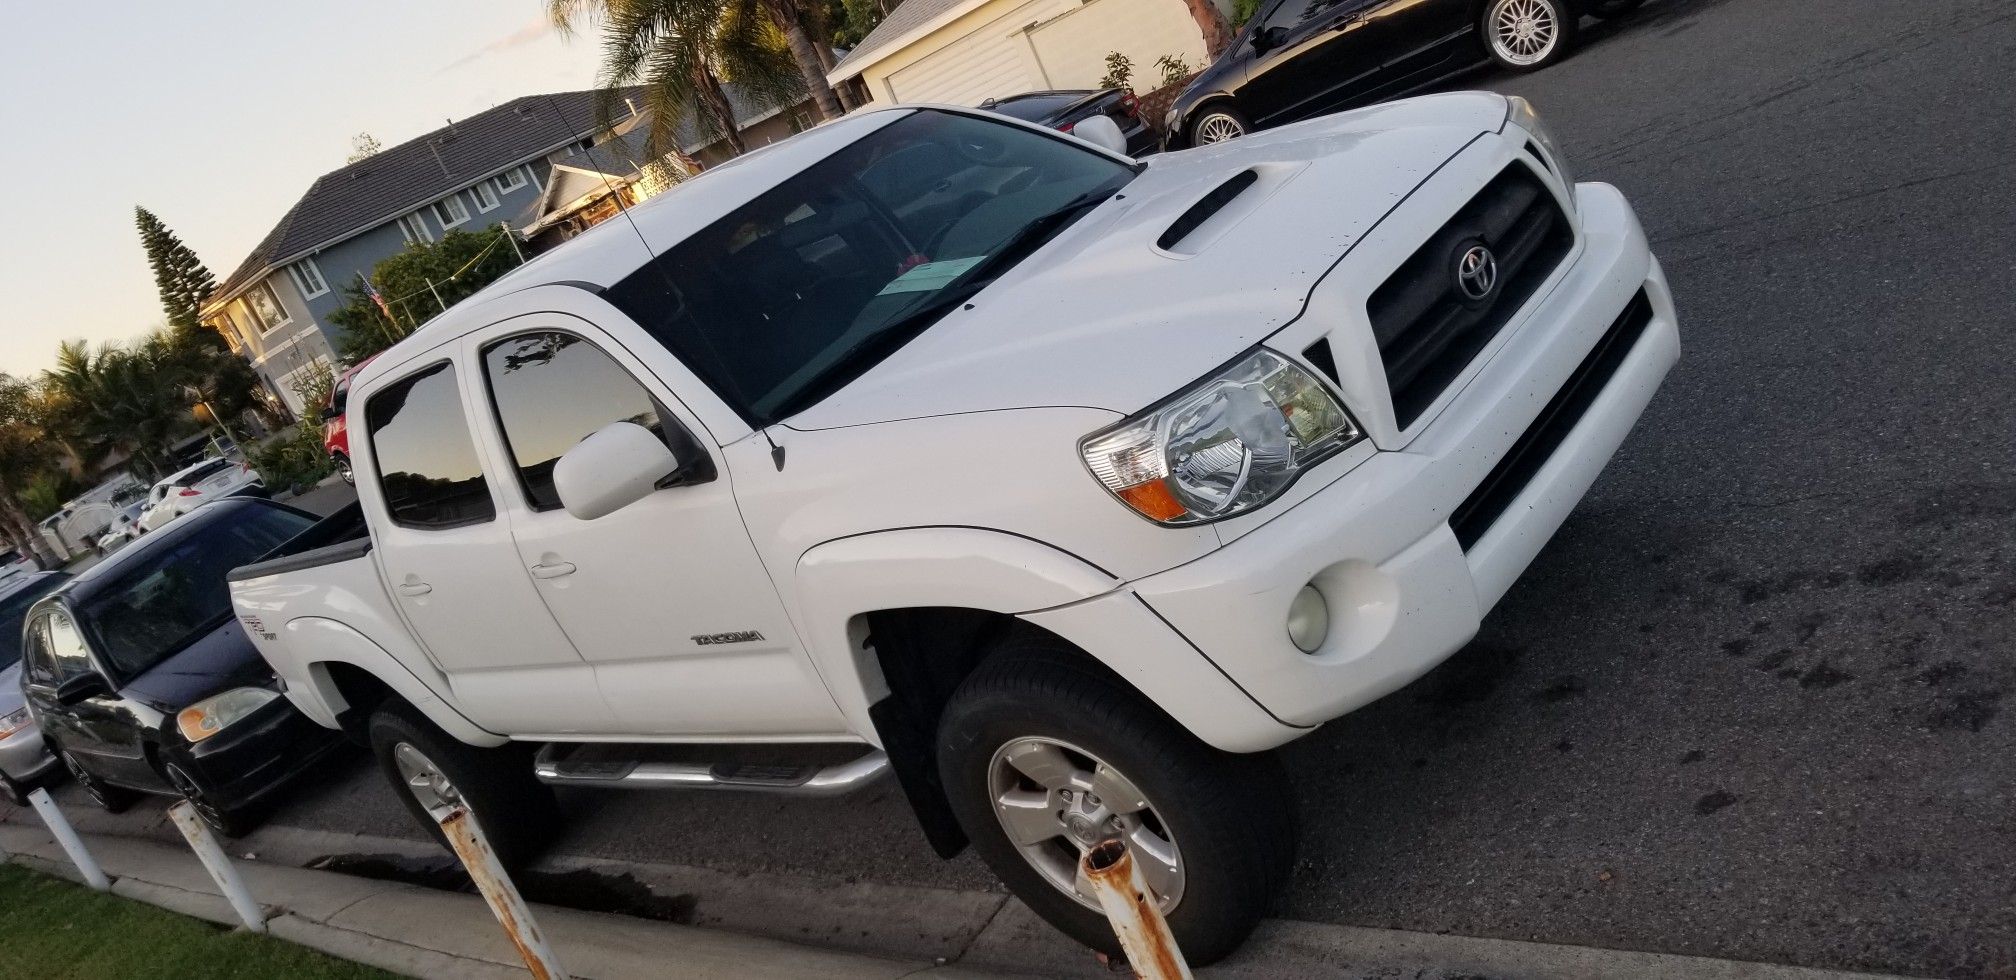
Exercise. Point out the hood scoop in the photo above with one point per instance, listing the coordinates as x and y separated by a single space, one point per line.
1206 208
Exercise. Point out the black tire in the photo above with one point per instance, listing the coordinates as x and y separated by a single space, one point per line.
113 799
343 469
1562 15
1207 117
224 820
13 791
1234 825
515 809
1607 9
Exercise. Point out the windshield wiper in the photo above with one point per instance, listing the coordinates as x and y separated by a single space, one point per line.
1029 238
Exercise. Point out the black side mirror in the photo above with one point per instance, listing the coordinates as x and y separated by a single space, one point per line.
81 688
1268 38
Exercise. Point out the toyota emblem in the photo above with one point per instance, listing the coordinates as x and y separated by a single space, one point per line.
1477 272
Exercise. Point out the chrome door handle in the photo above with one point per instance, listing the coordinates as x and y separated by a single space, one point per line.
553 570
413 588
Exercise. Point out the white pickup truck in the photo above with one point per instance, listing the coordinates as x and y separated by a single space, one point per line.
1058 484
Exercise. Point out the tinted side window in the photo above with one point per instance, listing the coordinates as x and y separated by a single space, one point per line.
551 391
426 459
66 646
38 667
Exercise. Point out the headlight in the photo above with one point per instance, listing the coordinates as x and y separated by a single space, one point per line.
1222 446
1521 113
208 717
14 721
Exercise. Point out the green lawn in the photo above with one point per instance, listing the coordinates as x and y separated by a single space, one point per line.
50 928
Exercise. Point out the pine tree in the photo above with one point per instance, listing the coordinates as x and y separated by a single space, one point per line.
180 276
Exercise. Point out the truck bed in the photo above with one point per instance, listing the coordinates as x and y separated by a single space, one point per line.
339 537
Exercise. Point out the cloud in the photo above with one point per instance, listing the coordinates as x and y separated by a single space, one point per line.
532 32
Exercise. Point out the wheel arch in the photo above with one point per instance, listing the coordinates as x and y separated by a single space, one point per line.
340 674
1188 117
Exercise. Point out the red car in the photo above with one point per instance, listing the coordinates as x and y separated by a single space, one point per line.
336 434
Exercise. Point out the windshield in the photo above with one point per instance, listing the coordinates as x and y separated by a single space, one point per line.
14 609
803 289
170 596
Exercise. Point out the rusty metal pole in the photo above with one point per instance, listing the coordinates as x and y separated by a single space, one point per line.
466 837
208 851
72 844
1134 911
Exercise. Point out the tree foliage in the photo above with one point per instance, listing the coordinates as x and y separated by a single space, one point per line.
362 145
182 279
26 453
140 399
453 268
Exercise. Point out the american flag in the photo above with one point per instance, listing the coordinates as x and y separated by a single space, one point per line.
372 291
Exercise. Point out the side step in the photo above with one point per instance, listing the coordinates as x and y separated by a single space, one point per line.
647 767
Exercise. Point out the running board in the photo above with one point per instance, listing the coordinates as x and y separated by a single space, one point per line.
557 764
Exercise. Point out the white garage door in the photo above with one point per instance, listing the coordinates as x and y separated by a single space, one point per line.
989 63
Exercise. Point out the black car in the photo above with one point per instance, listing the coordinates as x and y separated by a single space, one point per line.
141 680
1063 109
1300 58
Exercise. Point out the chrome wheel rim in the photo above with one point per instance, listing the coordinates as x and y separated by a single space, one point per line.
1056 800
84 779
1218 127
1524 32
426 781
187 787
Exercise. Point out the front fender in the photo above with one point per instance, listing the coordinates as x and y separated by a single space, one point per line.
314 643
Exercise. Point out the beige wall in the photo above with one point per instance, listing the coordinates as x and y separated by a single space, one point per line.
989 20
1073 46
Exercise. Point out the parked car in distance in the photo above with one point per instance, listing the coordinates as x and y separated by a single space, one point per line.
142 682
335 428
125 526
1064 109
24 760
182 491
1300 58
1059 484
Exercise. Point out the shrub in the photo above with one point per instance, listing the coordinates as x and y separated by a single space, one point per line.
1119 71
1174 69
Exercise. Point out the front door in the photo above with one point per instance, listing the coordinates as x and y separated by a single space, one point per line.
448 560
1323 58
666 597
99 731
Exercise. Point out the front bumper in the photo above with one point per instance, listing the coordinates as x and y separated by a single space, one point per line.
24 757
252 758
1402 591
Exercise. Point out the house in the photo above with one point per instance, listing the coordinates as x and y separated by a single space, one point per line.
469 175
966 51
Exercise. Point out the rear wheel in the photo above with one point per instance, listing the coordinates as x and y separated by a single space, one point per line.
1528 35
1217 124
434 773
113 799
1044 754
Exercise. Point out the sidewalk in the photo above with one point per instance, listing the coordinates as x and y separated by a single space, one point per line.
438 934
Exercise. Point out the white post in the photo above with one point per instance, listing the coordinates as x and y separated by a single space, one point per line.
53 817
208 851
1134 911
513 236
465 835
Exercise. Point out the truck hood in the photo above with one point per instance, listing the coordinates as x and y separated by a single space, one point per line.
1120 311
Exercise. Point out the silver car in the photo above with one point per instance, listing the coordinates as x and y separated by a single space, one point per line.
24 760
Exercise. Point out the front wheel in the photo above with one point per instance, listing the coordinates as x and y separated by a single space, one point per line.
433 773
1218 124
1044 754
224 820
1528 35
343 468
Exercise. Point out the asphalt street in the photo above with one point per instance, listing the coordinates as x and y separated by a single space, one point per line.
1756 700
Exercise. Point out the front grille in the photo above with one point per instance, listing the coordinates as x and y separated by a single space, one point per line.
1537 444
1427 327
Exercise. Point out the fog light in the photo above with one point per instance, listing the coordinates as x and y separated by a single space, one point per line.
1308 619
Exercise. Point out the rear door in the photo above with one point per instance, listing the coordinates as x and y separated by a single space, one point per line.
666 598
452 569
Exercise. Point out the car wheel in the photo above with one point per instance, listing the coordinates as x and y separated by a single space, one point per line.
1527 35
343 467
1613 8
12 791
1044 753
1218 124
112 798
434 773
225 821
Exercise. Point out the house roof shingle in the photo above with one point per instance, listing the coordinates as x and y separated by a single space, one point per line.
402 178
908 16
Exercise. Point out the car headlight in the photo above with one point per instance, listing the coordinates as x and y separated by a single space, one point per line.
1222 446
1521 113
212 715
14 721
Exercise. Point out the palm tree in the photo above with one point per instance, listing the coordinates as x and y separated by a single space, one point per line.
138 399
25 452
680 50
790 17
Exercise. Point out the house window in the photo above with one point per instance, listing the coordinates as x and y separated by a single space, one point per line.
512 179
308 279
265 306
450 211
414 227
486 199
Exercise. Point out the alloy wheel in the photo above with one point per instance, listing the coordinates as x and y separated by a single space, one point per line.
1524 32
425 780
1217 127
204 806
92 787
1056 800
